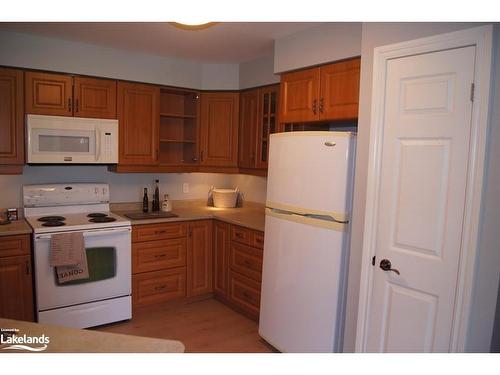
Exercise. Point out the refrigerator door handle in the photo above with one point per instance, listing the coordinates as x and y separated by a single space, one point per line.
310 216
326 217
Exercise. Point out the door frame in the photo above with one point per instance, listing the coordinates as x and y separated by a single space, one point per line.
481 38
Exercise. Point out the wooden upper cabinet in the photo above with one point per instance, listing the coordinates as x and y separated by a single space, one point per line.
219 129
138 116
249 122
339 95
95 98
11 117
299 96
268 122
199 258
326 93
48 94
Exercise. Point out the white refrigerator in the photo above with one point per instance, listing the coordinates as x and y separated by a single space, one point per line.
309 194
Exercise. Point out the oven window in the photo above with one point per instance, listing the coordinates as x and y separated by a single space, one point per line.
101 263
60 143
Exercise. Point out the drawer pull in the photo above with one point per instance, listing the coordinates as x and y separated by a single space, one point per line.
160 231
160 287
159 256
247 296
247 262
239 235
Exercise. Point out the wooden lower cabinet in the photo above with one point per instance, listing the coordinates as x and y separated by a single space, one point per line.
199 258
16 280
222 242
158 286
180 260
244 294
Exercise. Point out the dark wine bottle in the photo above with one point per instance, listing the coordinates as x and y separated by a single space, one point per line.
145 203
156 198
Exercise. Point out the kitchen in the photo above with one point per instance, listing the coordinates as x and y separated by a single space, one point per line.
205 125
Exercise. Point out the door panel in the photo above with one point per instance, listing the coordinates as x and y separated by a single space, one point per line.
138 116
199 258
95 98
48 94
249 120
339 90
11 117
299 96
219 129
221 257
16 292
423 186
267 122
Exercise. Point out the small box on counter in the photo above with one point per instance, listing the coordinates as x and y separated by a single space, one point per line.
12 214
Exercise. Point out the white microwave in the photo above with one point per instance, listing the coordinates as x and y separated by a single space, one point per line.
71 140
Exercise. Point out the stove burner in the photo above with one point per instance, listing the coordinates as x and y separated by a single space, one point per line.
105 219
97 214
51 218
53 223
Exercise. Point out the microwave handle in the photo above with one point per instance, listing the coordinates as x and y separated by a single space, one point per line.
98 144
92 233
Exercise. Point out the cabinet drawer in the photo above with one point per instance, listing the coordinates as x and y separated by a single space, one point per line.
244 293
158 255
159 286
246 260
158 231
258 240
241 234
14 245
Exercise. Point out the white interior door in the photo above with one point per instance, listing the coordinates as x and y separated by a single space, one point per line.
425 151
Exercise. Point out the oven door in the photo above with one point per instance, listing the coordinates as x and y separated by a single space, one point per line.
109 263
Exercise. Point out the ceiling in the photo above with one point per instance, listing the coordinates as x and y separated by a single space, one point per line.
225 42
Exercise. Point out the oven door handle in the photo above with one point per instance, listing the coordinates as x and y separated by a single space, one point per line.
87 233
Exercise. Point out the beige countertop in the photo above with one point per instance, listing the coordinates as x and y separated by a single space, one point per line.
20 226
251 215
73 340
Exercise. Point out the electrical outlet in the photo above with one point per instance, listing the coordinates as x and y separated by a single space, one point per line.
185 188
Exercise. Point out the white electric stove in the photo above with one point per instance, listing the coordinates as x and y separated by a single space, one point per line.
104 297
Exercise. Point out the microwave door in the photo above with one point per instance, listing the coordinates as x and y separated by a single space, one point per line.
62 146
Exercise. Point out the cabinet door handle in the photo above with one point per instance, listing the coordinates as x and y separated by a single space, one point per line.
239 235
28 268
201 156
247 262
321 105
69 104
314 106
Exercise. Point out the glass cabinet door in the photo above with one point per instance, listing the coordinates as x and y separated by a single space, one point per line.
268 122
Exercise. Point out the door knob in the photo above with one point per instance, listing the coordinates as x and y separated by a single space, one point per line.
386 265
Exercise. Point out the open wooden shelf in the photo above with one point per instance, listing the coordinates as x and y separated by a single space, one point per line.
179 123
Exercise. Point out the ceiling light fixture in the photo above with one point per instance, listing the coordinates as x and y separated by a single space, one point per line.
193 26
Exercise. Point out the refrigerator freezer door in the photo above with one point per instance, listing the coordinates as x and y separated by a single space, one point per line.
302 298
311 171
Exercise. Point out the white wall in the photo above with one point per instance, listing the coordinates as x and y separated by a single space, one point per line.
220 77
373 35
317 45
254 188
124 187
35 52
258 72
